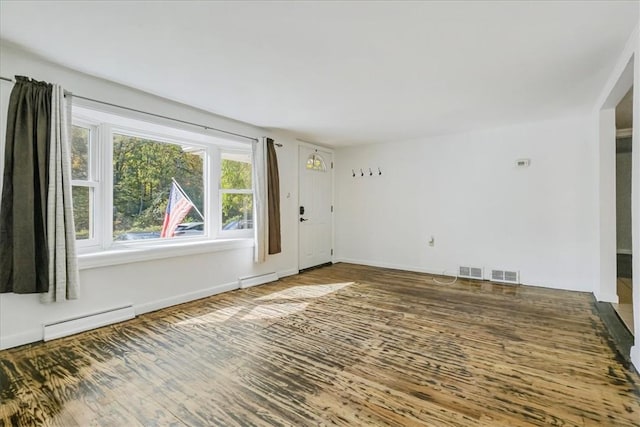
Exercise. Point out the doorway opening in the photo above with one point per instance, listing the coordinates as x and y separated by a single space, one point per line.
624 254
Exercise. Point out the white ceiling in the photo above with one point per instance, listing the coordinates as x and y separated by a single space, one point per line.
342 72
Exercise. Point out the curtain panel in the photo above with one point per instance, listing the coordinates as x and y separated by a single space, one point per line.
260 231
34 255
273 195
63 263
23 239
266 212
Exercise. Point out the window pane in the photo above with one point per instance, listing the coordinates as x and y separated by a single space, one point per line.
237 211
316 162
142 178
80 138
235 171
82 212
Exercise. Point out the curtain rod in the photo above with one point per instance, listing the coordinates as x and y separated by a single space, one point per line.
205 127
153 114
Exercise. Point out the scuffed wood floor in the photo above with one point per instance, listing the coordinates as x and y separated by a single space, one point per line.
341 345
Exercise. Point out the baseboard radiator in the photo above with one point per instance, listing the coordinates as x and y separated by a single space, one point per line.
84 323
247 282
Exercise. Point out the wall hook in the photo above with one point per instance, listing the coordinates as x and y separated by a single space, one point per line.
361 173
379 171
353 172
370 173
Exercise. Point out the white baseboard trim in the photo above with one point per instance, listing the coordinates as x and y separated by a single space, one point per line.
606 297
635 356
286 273
37 334
22 338
450 273
181 299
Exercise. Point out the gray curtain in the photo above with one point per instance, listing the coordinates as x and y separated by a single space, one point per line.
23 220
260 228
273 196
37 236
61 238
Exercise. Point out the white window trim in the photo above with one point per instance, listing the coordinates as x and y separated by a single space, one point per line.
102 250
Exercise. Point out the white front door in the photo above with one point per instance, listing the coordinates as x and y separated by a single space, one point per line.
315 207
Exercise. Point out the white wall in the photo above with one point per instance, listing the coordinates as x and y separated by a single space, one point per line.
482 211
151 284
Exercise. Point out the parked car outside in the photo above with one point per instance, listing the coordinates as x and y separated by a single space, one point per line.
190 229
241 224
139 235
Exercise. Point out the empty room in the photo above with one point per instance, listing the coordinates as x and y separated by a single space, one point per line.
314 213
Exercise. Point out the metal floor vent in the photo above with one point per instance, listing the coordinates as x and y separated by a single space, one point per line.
470 272
505 276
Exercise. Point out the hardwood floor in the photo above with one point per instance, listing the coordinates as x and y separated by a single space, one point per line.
341 345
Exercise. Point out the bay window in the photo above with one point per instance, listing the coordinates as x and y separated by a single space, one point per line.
124 171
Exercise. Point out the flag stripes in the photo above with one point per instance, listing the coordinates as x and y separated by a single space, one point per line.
178 207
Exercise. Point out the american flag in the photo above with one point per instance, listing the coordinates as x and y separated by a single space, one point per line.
178 207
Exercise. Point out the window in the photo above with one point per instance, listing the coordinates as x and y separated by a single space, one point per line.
144 171
316 162
236 194
123 170
84 181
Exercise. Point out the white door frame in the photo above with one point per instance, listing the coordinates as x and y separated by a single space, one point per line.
333 193
626 74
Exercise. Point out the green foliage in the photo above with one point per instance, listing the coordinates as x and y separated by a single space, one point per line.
80 171
142 175
79 152
236 175
81 212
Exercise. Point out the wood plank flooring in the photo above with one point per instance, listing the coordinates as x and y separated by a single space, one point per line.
342 345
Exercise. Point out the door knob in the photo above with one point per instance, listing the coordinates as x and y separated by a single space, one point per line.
303 219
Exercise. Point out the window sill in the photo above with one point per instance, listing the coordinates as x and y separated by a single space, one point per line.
147 252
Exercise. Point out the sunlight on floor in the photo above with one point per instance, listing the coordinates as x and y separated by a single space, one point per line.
310 291
268 311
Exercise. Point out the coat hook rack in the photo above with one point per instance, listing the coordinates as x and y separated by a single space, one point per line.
362 172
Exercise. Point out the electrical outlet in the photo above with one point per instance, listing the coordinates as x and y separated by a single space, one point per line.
432 241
